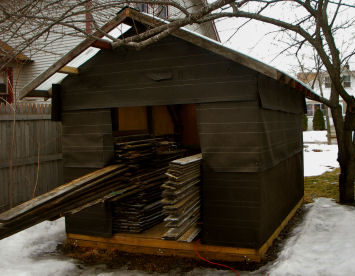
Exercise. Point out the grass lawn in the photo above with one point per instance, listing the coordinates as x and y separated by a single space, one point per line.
325 185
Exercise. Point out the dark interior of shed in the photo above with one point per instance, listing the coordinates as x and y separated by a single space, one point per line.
176 122
147 139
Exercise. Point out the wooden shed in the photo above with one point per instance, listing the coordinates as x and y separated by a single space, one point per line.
244 116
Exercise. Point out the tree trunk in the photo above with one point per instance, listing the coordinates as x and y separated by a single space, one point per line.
346 183
346 154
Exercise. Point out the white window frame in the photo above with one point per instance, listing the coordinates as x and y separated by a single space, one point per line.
346 81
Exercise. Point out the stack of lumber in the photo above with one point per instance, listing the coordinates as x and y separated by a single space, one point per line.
135 151
148 159
67 199
142 210
143 151
181 196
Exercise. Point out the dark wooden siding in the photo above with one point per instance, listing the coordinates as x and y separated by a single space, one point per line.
281 188
231 208
231 135
87 141
253 166
245 136
171 71
244 209
95 220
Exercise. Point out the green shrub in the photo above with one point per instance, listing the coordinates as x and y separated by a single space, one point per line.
318 120
304 122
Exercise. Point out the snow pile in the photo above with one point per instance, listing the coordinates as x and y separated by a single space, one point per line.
315 136
319 158
28 252
322 245
32 252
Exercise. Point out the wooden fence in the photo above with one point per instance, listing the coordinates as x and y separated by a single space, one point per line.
30 153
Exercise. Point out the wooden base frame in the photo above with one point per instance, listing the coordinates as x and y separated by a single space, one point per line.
150 242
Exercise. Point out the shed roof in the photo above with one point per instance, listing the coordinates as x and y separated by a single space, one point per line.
129 15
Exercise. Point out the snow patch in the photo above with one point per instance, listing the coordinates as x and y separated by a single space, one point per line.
315 137
322 245
319 158
27 253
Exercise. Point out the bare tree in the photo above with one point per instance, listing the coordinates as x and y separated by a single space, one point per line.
317 24
313 75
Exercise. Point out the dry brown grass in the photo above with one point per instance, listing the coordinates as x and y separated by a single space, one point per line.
325 185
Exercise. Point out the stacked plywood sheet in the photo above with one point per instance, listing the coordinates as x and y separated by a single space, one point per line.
181 196
148 159
143 209
134 150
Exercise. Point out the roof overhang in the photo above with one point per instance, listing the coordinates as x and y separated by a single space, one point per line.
129 16
6 50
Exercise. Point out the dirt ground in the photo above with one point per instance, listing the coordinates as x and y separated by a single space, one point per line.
161 264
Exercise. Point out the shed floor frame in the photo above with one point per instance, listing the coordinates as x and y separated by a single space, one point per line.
150 242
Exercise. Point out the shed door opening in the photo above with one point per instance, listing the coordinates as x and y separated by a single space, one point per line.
177 122
149 139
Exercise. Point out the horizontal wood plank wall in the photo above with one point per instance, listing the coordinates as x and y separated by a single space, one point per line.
281 188
32 129
87 141
231 136
171 71
253 170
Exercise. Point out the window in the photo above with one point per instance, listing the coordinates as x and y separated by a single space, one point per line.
3 85
327 82
143 7
6 81
156 10
311 108
161 11
346 81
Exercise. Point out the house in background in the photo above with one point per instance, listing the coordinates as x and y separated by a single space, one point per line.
54 44
321 84
6 73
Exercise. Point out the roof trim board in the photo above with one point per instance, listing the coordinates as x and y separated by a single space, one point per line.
181 33
19 57
55 67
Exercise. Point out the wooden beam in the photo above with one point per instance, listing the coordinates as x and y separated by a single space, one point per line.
40 93
71 55
69 70
282 77
19 57
150 242
102 45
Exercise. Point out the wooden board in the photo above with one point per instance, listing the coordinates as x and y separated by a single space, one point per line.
150 242
56 193
162 123
132 118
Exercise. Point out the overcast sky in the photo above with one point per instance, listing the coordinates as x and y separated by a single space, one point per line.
258 40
